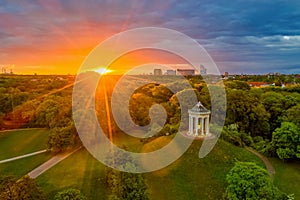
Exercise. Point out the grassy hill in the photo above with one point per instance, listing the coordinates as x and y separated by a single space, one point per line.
194 178
287 176
187 178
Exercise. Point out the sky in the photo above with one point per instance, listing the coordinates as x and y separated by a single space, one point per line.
55 36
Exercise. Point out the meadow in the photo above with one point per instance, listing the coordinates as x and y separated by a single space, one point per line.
187 178
18 143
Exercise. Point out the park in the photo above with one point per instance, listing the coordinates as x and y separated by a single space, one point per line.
43 146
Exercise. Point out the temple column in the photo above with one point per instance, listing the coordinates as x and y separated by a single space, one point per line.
189 124
196 125
192 124
202 126
207 125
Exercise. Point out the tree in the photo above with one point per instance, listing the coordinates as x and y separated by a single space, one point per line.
231 134
7 187
62 138
47 111
133 186
70 193
182 101
293 115
24 188
274 104
123 185
286 141
145 97
50 112
246 110
246 180
240 85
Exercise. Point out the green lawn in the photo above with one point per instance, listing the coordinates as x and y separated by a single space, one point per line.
20 142
187 178
17 143
80 171
194 178
22 166
287 176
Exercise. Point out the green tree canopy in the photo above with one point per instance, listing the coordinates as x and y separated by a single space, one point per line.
246 180
286 141
240 85
62 138
274 103
24 188
125 185
293 115
69 194
246 110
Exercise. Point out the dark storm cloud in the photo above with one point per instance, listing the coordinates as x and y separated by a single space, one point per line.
260 34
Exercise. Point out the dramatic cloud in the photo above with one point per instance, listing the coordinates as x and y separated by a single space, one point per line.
242 36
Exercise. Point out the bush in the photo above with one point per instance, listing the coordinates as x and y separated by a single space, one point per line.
69 194
24 188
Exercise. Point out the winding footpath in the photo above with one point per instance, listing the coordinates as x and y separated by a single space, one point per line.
50 163
266 161
23 156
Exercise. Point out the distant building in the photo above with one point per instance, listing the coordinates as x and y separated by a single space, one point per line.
203 70
186 72
260 84
4 71
171 72
157 72
274 74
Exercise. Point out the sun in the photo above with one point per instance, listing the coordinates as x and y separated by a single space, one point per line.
102 70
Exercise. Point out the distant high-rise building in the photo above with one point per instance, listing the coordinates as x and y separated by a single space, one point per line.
202 70
186 71
171 72
226 74
157 72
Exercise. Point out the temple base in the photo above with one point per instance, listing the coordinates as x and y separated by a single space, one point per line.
194 136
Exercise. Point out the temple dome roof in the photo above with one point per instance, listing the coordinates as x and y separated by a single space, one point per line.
199 108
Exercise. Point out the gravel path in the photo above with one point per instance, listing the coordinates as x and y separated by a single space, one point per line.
23 156
50 163
268 164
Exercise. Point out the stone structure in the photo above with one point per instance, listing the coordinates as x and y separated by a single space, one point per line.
198 120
